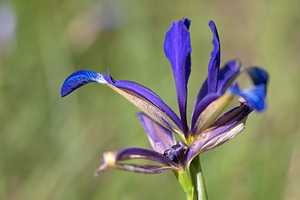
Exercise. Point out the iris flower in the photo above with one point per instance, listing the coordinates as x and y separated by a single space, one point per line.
208 128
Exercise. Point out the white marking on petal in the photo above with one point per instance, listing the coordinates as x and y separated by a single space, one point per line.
147 108
211 113
224 137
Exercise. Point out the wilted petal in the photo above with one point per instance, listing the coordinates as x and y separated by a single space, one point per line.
178 49
159 137
143 98
112 160
214 63
224 129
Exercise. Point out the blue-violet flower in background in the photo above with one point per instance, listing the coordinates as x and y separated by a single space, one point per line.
207 129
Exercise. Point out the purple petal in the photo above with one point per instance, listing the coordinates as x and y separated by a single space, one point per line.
227 74
258 75
177 48
202 93
224 129
202 118
159 137
110 160
197 124
145 169
214 63
142 93
255 96
79 79
143 98
139 153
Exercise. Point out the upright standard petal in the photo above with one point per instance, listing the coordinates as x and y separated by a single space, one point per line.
143 98
226 76
159 137
178 49
214 63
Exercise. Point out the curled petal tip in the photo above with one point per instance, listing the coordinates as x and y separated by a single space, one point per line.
187 22
258 75
211 23
254 96
80 78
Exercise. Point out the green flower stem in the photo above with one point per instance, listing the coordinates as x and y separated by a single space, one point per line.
198 179
192 181
184 178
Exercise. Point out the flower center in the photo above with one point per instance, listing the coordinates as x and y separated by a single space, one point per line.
176 153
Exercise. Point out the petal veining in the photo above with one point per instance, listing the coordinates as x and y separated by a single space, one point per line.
211 107
140 96
224 129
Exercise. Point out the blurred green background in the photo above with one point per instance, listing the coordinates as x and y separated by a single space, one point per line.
50 147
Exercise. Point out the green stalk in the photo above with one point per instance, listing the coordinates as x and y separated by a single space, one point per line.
192 181
198 179
184 178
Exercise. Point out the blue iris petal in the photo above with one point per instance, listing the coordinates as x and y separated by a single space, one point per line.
177 48
258 75
137 94
254 96
227 74
214 63
79 79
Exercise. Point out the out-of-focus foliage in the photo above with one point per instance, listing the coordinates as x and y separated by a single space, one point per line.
50 147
